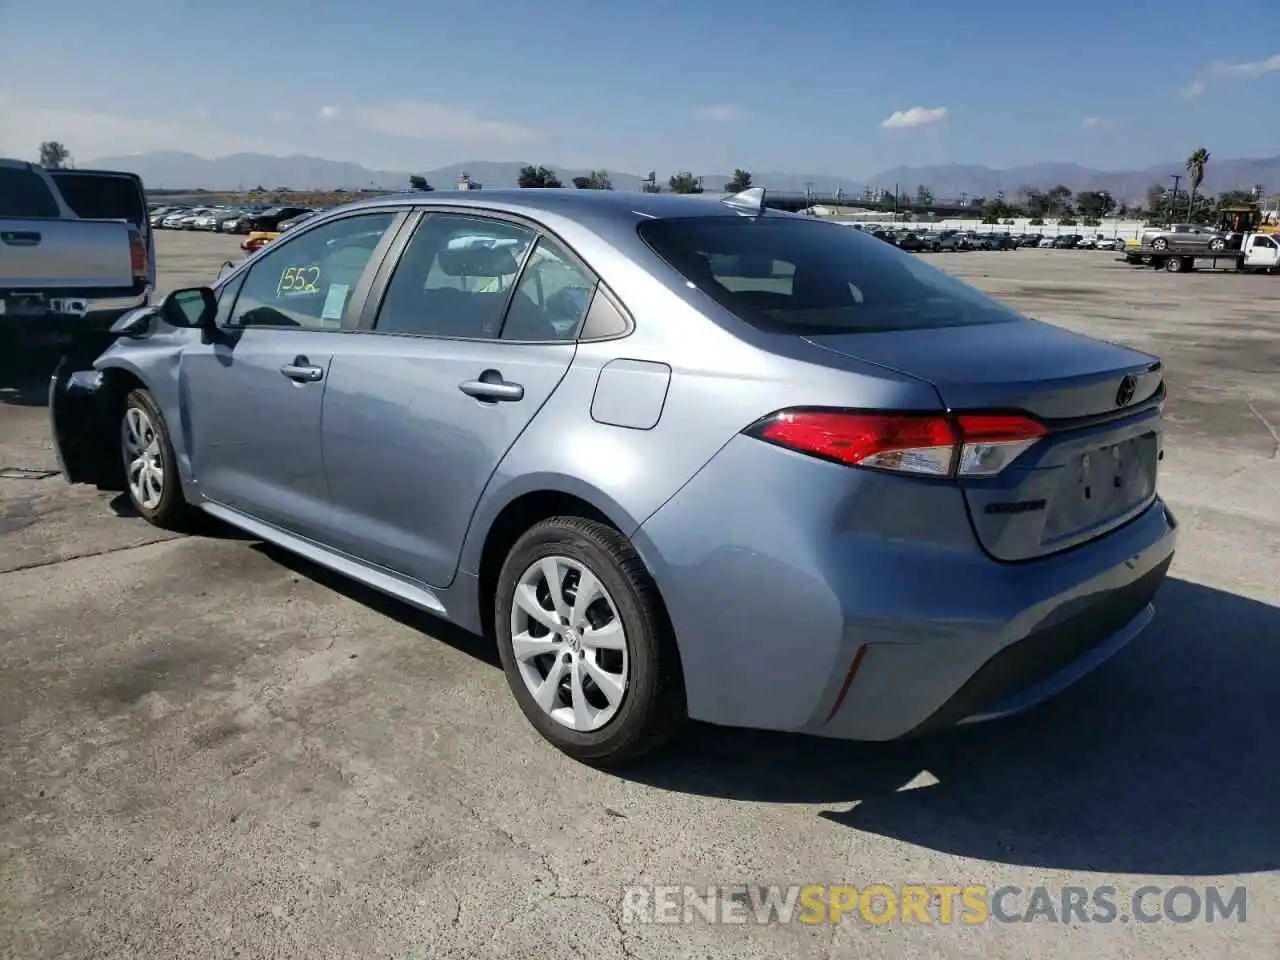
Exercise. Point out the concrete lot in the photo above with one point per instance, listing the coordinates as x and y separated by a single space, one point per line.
210 749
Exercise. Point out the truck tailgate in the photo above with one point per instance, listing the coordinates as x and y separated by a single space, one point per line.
47 254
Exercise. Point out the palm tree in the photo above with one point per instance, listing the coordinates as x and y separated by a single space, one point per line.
1195 175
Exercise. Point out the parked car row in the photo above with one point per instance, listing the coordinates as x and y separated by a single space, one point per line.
934 241
242 220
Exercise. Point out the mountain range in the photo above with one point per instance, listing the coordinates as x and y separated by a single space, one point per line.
242 171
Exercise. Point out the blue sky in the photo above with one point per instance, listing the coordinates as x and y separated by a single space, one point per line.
802 87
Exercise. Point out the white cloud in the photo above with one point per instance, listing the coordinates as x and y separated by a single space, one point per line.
1248 68
1252 68
914 117
720 113
1092 123
429 121
89 134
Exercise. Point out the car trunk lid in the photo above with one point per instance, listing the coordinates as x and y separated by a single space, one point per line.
1102 403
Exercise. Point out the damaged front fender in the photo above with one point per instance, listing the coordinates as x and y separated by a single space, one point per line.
82 427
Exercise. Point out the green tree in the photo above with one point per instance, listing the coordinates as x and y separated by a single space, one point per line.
599 180
582 183
419 182
1095 204
998 209
684 182
924 196
538 177
53 155
741 181
1196 164
1035 202
1059 199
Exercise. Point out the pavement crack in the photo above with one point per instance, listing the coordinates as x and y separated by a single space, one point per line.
1275 437
612 907
38 564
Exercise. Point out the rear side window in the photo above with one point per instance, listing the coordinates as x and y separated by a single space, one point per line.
790 274
24 193
102 196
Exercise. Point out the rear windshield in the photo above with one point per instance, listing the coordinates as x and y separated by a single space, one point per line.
102 197
791 274
23 193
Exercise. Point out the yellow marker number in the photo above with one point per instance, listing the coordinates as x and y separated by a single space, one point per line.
295 281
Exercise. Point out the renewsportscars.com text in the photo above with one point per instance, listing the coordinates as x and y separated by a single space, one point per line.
942 904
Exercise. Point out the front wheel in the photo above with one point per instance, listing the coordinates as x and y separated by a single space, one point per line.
150 468
585 643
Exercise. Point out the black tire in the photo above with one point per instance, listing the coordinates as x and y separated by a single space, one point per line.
172 512
1159 243
653 709
1174 265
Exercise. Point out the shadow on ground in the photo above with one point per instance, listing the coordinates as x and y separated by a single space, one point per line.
471 644
25 370
1161 762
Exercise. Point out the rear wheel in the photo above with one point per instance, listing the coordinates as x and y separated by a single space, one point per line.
585 643
1159 243
1175 265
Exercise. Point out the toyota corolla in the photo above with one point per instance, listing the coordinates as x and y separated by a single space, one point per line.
680 457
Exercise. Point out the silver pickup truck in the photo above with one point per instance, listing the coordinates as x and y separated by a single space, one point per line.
75 249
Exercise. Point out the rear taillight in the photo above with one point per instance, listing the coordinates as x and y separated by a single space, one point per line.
137 255
937 445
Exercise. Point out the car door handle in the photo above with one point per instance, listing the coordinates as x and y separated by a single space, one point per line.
20 238
302 371
492 388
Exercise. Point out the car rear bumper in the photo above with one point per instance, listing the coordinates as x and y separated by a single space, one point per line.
855 604
70 315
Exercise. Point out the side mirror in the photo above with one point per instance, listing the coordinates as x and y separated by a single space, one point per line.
135 324
193 308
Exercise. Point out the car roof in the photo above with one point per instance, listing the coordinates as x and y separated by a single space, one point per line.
585 206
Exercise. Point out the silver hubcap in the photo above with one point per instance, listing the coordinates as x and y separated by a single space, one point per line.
144 465
569 643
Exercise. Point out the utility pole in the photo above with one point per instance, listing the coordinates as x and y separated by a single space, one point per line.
1173 200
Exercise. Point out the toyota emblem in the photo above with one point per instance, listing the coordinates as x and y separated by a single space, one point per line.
1128 387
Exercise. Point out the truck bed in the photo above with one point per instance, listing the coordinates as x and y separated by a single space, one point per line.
1145 255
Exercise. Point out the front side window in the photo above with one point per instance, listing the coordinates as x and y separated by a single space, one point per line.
306 281
794 275
455 278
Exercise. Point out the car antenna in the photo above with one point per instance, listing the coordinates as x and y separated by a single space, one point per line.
750 200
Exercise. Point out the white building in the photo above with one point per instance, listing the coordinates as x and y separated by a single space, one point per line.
466 183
